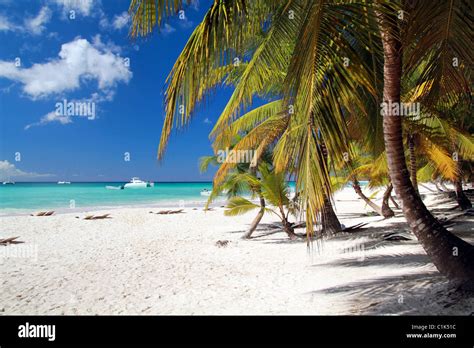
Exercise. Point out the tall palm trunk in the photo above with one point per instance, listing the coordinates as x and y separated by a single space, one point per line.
358 190
386 211
451 255
256 220
413 169
329 221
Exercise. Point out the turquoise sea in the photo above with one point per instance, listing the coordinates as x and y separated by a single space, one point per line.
22 197
27 197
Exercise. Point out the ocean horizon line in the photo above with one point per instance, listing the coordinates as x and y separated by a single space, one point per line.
108 181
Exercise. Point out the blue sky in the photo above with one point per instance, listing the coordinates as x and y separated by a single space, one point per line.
78 51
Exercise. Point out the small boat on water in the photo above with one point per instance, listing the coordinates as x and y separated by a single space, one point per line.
64 182
205 192
114 187
137 183
8 182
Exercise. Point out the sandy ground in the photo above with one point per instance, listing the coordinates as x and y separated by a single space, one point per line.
142 263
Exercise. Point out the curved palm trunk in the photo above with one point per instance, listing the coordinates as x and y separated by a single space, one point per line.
289 230
286 225
451 255
438 188
358 190
411 147
461 198
443 186
395 204
427 188
463 201
386 211
256 220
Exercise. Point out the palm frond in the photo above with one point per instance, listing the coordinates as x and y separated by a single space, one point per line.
215 42
257 140
147 14
205 162
443 162
247 123
238 206
439 37
267 64
426 173
274 187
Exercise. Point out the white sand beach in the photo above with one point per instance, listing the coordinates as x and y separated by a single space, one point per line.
141 263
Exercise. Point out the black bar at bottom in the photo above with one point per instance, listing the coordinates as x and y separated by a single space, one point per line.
262 330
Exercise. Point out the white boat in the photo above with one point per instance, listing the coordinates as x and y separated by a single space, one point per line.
137 183
8 182
205 192
64 182
114 187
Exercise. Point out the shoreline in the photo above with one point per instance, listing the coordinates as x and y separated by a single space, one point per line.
95 208
192 202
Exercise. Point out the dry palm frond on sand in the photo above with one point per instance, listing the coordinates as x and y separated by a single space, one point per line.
43 213
167 212
97 217
11 240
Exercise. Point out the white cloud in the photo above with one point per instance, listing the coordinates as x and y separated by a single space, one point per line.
83 7
50 117
5 24
109 46
9 171
53 35
90 104
32 25
207 121
104 23
35 25
120 21
78 61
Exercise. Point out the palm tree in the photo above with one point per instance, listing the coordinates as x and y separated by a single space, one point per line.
225 29
250 181
363 164
443 146
310 41
376 171
270 187
367 200
451 255
234 187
